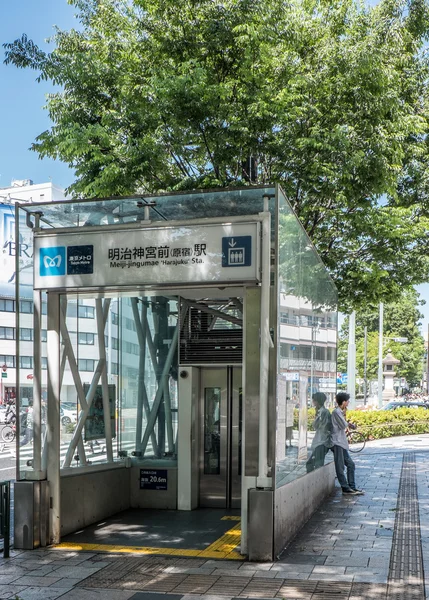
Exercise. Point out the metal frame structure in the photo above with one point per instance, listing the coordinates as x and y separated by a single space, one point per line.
248 305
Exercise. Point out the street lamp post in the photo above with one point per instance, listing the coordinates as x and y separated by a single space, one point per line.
365 349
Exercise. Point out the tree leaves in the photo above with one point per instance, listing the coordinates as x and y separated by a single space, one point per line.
328 99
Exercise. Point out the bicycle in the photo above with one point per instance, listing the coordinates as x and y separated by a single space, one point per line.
8 433
357 440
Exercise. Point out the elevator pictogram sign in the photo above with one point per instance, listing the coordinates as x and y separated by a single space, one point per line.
237 251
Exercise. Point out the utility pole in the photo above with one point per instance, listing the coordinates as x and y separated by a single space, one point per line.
427 373
365 349
351 361
380 357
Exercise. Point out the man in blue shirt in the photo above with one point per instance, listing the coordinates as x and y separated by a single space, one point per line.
341 447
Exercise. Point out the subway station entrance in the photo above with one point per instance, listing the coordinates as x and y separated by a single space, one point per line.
165 330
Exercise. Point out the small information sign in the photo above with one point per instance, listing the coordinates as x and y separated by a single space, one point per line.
153 479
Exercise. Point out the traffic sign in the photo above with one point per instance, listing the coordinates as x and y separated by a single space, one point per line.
403 340
4 375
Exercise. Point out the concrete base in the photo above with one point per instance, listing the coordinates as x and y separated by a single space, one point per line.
31 514
90 497
260 525
295 502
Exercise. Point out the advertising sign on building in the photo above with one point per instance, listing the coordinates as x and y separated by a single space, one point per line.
200 253
8 250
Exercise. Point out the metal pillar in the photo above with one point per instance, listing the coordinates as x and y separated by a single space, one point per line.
142 330
365 364
380 357
102 309
263 479
351 360
37 383
53 424
160 391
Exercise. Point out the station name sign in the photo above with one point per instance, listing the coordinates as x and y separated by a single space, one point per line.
198 254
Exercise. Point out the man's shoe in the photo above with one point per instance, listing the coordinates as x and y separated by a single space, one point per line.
358 492
349 492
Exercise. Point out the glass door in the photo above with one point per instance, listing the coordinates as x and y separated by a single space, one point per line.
220 447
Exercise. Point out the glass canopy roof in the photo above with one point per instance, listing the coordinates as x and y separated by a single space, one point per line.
177 206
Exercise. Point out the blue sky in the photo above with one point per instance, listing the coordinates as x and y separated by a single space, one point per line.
22 99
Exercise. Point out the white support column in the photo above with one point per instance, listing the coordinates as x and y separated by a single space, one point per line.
37 385
53 425
104 380
263 480
380 357
351 361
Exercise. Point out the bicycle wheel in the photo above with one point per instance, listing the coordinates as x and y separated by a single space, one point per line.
8 434
357 441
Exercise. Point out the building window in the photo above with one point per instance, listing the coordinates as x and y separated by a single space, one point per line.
26 306
86 364
26 362
7 305
7 333
115 368
44 362
86 312
115 318
26 334
44 335
8 360
72 309
131 348
86 338
130 324
115 343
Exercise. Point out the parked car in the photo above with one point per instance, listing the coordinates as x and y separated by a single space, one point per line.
67 416
402 404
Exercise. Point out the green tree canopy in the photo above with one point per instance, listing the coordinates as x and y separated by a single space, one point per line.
327 98
401 320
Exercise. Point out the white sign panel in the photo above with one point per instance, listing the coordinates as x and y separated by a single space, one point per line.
155 255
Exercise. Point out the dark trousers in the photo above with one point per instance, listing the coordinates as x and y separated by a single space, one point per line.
343 460
317 458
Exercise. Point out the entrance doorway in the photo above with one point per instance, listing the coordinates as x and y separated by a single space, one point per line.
220 437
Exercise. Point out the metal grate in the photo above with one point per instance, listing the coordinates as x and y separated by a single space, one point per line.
211 334
406 581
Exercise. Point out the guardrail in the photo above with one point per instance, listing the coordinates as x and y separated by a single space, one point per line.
5 516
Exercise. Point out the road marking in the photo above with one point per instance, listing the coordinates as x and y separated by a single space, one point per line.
223 548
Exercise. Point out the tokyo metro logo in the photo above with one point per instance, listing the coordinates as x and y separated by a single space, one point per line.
52 261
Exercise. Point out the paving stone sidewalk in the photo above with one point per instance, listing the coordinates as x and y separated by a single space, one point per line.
343 552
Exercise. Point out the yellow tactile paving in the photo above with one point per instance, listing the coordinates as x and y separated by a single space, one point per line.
223 548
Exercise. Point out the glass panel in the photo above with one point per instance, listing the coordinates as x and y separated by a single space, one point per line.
307 318
192 205
212 431
240 426
148 361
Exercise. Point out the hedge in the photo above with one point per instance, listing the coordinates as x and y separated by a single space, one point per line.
378 424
